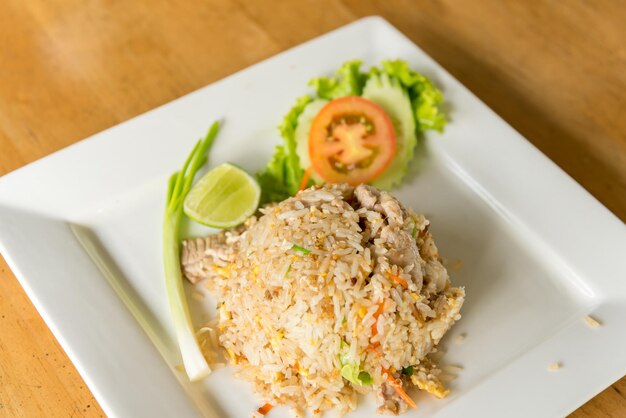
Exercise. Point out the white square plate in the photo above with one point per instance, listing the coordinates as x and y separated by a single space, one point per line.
81 231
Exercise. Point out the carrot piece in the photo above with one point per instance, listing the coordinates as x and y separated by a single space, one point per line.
379 311
398 388
374 348
265 409
305 179
398 280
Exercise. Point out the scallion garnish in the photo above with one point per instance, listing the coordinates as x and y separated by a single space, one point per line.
179 184
301 249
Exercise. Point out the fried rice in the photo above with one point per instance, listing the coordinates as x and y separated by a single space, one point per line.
337 291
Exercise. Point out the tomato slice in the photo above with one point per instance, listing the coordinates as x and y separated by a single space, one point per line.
351 140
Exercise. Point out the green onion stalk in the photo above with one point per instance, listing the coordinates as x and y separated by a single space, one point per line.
179 185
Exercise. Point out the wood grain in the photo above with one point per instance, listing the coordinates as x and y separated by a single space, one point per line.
70 68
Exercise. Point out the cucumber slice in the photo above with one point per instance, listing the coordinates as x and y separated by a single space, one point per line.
386 92
302 135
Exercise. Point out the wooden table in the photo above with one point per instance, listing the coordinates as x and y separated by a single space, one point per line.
555 70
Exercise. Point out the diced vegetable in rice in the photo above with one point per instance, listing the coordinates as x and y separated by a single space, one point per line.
335 291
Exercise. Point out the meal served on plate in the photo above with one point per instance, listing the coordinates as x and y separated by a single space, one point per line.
333 287
336 291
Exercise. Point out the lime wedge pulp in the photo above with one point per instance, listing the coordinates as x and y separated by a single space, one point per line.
225 197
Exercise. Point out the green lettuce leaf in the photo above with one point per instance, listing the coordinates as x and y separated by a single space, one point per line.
425 96
350 369
273 179
348 81
288 126
281 178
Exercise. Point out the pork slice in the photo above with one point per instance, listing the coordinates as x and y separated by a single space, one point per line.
367 196
391 209
389 402
200 254
402 251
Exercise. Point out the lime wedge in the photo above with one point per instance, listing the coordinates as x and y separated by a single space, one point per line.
225 197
